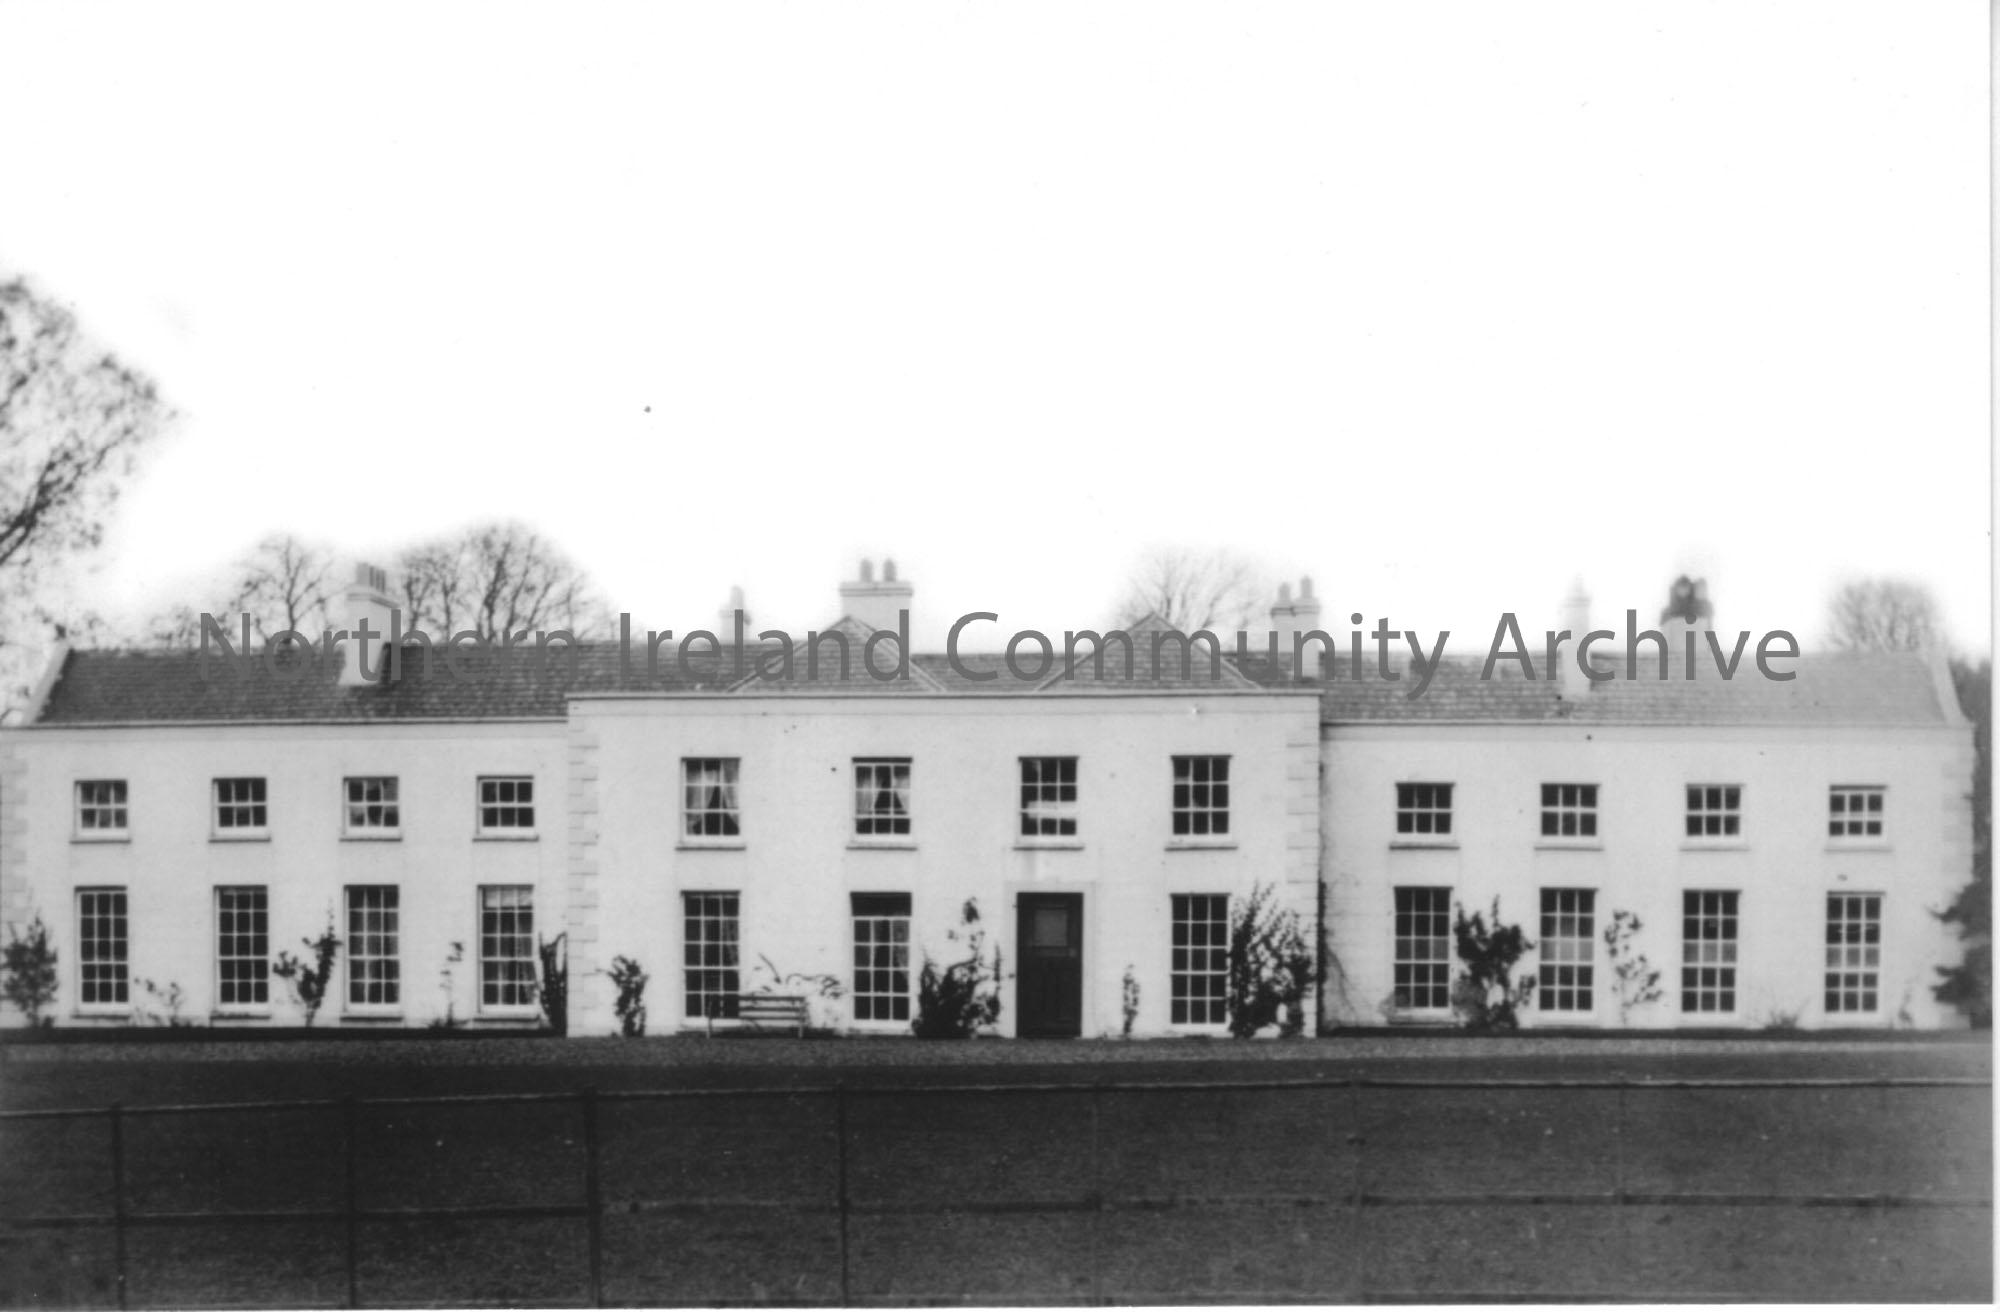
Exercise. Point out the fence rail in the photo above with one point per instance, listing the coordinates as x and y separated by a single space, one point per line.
842 1204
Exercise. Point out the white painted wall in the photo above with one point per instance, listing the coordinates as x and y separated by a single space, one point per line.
798 861
1784 866
171 862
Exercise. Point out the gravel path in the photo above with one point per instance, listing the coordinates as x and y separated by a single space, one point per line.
1972 1052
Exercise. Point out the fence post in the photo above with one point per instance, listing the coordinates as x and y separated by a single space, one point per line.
1096 1195
350 1121
1619 1147
840 1144
118 1193
592 1198
1356 1163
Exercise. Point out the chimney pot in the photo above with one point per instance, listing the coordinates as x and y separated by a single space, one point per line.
867 570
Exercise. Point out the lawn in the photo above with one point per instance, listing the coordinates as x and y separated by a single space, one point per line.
995 1172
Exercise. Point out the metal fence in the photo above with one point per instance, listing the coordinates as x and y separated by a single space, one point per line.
844 1193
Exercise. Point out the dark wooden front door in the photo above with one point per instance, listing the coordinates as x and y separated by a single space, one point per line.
1050 989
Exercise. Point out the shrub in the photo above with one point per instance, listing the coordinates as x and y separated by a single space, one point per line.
554 992
631 1004
165 1005
28 972
1129 995
1271 967
1484 995
447 973
308 984
963 998
1634 981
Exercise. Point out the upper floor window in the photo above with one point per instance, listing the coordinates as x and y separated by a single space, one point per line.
1048 797
372 808
240 807
1423 810
507 805
1714 811
1201 796
1569 810
709 806
1855 810
100 807
882 798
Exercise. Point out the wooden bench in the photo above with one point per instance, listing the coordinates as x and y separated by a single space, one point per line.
757 1010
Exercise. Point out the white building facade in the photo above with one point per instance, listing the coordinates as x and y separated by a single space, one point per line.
1784 847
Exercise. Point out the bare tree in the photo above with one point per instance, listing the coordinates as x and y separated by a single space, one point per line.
496 580
286 584
1882 615
1191 589
281 583
72 421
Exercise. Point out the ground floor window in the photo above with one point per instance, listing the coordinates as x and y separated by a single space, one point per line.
1853 951
104 977
1200 979
1569 948
506 945
374 946
709 955
1708 951
1423 949
242 947
881 956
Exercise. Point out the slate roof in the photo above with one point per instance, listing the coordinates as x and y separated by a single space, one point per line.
166 686
1863 688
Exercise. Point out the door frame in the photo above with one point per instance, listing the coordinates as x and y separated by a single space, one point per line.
1079 894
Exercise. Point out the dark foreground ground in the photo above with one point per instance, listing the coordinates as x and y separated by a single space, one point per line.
1379 1169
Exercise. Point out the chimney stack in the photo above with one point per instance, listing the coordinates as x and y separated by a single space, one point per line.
1575 616
1289 619
726 617
873 603
366 598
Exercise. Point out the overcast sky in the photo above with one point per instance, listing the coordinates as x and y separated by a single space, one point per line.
1442 304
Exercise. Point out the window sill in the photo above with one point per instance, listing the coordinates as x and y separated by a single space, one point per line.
1859 845
717 845
1569 845
390 837
101 1013
235 1015
101 837
1201 845
502 1016
1423 845
1048 845
371 1017
246 836
882 845
1714 845
501 836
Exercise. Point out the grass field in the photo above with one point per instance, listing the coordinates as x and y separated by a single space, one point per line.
994 1172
